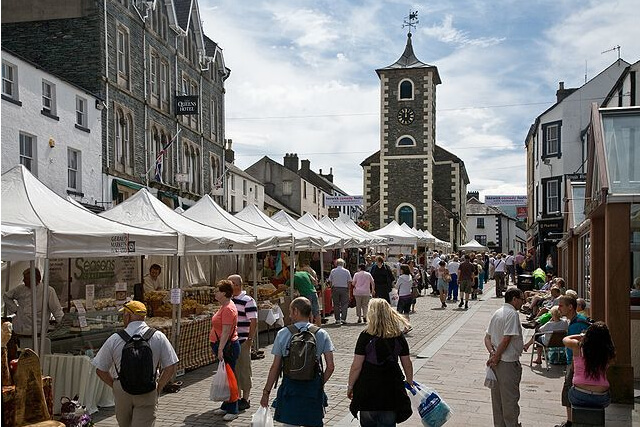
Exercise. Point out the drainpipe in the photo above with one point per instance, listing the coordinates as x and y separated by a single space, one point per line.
105 123
146 105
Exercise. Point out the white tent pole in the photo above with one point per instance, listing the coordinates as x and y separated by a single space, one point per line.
7 283
45 307
179 308
291 267
255 291
324 309
34 307
174 281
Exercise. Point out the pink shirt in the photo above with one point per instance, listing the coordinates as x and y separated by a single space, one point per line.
227 315
580 376
362 283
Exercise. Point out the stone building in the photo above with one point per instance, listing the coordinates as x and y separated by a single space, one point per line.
411 179
136 56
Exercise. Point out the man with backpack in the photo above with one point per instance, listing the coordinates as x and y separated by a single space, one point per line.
298 352
128 362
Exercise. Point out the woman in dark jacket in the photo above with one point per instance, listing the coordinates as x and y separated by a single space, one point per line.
376 382
382 277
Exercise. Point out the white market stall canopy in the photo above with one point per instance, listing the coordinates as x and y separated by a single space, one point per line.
208 212
303 241
143 209
18 243
310 221
64 230
356 240
473 245
346 225
396 236
285 219
423 239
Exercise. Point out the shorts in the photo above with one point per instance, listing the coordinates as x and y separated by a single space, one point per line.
442 285
466 286
315 306
404 304
568 383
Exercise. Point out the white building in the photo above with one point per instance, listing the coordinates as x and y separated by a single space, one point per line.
493 228
52 127
242 190
557 151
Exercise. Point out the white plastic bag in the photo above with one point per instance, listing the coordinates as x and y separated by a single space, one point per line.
262 418
220 391
393 298
490 379
433 410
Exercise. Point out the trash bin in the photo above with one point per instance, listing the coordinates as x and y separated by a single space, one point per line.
525 282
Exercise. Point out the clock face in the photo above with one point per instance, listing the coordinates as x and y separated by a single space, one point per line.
406 116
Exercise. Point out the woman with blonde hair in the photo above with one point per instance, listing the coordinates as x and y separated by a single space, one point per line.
376 383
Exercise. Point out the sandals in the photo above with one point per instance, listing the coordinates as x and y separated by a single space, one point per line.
172 387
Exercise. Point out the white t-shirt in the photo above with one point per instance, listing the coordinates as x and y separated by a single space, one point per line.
550 327
509 260
453 267
499 265
506 322
435 262
404 283
108 358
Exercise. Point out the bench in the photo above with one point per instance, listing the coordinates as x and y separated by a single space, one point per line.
583 416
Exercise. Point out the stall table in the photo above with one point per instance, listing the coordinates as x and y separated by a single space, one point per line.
194 348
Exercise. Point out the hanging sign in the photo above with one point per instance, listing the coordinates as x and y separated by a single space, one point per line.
186 105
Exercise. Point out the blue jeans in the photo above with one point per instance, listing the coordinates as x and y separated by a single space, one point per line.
453 287
230 407
582 398
377 418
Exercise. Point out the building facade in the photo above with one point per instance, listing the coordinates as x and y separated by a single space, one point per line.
411 179
557 151
138 57
53 128
492 227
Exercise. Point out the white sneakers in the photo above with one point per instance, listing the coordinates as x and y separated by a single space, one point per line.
230 417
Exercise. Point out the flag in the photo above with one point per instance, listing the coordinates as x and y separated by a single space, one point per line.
158 167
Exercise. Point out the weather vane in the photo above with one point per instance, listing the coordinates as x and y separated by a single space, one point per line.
411 20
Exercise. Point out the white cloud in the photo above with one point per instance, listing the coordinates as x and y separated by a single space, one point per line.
447 33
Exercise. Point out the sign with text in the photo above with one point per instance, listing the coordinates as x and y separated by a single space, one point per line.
505 200
343 200
186 105
521 212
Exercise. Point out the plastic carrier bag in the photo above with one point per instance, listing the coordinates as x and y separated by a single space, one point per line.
433 410
393 298
490 380
220 391
262 418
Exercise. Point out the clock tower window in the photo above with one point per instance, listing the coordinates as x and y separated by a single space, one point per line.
406 89
406 141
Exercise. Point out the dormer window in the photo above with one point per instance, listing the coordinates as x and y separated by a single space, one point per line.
406 90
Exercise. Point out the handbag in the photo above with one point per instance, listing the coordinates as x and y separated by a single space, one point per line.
414 292
262 418
220 391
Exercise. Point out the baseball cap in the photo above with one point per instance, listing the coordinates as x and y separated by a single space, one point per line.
135 307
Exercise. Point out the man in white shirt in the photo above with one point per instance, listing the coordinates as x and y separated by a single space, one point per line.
504 343
453 266
340 280
135 410
435 262
18 301
498 274
510 268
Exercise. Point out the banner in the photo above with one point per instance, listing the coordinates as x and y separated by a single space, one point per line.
505 200
343 200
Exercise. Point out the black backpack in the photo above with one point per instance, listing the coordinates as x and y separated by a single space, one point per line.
137 373
301 363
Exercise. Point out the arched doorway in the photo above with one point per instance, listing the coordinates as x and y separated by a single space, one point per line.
406 215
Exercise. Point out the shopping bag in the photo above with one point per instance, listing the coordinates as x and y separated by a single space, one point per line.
262 418
393 298
233 384
490 379
433 410
220 391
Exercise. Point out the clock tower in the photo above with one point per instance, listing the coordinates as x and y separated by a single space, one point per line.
407 140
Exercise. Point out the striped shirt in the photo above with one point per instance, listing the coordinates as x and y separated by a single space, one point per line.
247 310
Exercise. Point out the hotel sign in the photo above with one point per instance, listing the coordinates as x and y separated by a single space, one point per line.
186 105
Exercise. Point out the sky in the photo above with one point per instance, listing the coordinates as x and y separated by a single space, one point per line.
303 75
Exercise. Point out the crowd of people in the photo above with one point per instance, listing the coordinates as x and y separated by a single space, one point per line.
381 365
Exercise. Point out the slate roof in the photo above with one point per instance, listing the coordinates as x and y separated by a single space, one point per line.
236 170
374 158
210 47
409 60
183 10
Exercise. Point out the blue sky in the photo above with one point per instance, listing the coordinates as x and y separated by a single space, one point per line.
303 74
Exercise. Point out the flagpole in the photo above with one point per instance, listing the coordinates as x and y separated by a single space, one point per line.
162 152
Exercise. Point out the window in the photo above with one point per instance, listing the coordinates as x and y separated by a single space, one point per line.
481 238
73 169
244 187
551 196
479 223
124 141
304 189
81 112
214 120
48 98
406 89
406 141
9 80
551 139
244 204
287 187
315 196
154 79
28 152
255 192
165 79
122 56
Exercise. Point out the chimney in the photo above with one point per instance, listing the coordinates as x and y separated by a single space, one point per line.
305 165
562 93
291 162
475 194
229 154
329 176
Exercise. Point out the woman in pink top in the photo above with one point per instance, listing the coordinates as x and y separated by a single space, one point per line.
224 339
363 289
592 353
